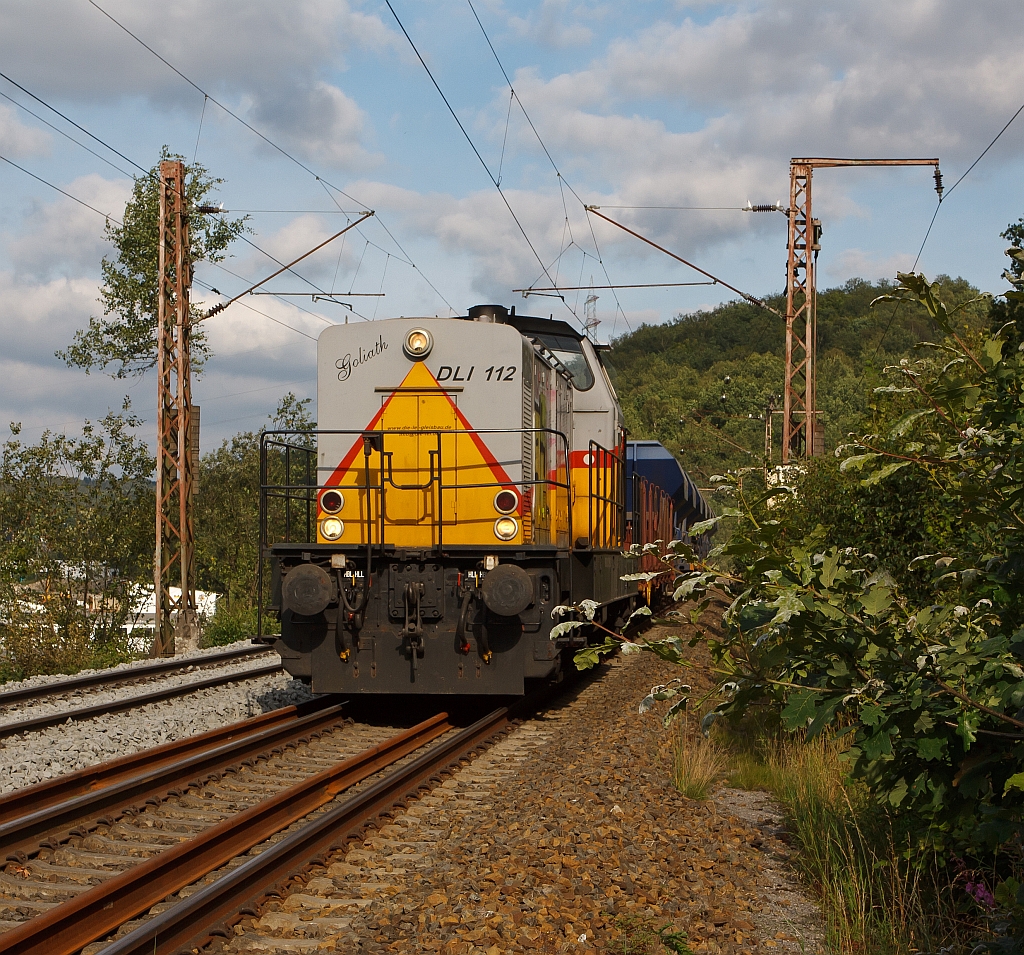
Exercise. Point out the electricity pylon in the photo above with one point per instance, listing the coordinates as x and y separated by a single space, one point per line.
803 435
175 625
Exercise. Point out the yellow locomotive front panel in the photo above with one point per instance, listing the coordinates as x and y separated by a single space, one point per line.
431 434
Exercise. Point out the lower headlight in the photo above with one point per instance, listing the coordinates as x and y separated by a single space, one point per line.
331 528
505 528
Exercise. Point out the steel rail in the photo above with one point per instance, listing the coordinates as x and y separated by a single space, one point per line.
193 919
66 928
41 692
54 821
42 795
130 702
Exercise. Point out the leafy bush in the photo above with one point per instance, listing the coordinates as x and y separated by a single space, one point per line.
896 520
231 622
228 523
921 678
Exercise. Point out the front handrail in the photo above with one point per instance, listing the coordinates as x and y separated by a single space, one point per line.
307 492
303 495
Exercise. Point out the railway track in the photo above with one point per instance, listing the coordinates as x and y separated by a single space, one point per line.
47 695
134 674
78 868
73 875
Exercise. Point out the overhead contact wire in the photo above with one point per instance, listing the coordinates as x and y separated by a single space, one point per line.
67 119
935 214
68 136
469 139
679 258
554 165
202 116
118 222
284 152
145 172
81 202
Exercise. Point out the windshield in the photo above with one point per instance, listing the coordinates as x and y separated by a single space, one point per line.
569 352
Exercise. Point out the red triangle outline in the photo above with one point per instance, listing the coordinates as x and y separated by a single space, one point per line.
346 462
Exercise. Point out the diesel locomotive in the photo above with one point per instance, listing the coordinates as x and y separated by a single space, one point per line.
467 476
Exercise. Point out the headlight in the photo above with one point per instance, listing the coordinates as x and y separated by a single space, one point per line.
418 344
506 501
331 528
505 528
332 501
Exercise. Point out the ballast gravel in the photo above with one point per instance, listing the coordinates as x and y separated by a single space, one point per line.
96 696
44 679
566 836
33 757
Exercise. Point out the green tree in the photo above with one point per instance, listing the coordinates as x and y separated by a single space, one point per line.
227 522
77 520
1006 309
700 384
123 341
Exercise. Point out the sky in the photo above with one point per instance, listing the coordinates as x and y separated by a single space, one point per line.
692 107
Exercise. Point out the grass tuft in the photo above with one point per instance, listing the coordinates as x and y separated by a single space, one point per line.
640 937
697 763
876 894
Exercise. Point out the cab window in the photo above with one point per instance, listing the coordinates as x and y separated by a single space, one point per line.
569 352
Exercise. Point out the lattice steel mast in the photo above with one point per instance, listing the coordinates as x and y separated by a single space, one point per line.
802 433
174 558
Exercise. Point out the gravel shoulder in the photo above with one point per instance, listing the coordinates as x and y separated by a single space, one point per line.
46 678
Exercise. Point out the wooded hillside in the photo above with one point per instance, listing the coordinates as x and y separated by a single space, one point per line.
700 384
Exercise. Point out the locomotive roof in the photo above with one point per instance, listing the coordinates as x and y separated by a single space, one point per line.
528 324
525 324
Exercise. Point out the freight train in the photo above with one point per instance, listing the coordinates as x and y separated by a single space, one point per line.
467 476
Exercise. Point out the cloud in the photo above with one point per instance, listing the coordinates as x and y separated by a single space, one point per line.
263 58
226 46
557 23
65 238
38 317
325 124
52 288
703 108
709 112
801 74
479 228
331 268
856 263
251 333
18 140
251 354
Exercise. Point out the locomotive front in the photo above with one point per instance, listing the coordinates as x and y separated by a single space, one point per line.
417 541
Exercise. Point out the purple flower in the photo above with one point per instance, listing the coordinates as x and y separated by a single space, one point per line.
981 894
